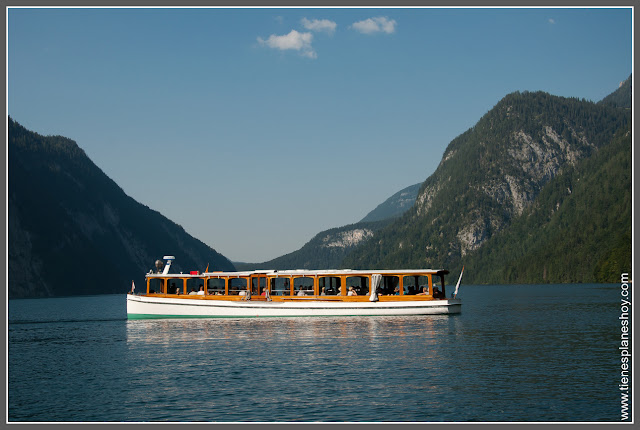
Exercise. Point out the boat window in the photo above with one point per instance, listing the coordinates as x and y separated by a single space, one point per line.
156 286
359 283
303 286
280 287
236 285
254 285
414 284
175 286
194 284
438 286
388 285
329 285
437 280
215 286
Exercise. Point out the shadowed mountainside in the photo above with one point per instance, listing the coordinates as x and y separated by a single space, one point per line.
73 231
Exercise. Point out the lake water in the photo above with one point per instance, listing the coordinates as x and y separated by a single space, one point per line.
515 353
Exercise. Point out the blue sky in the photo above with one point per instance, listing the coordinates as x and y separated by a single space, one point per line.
256 128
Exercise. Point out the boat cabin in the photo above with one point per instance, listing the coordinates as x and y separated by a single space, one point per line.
301 284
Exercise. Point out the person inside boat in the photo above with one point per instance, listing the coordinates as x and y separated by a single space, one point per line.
201 291
409 290
352 292
437 294
425 291
193 291
396 291
301 292
264 292
322 292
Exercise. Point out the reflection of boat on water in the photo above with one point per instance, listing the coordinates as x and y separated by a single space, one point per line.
277 293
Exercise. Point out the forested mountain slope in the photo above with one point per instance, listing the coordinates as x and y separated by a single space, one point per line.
577 230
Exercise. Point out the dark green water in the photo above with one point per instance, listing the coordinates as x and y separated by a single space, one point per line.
515 353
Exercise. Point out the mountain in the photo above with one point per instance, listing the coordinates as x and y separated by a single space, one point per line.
578 229
326 250
394 206
620 97
490 176
73 231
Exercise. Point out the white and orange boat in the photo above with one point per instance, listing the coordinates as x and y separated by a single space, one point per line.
291 293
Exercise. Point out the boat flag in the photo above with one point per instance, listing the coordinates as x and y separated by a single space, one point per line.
455 293
207 269
133 286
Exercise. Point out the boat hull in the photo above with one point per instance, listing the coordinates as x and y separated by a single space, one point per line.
143 307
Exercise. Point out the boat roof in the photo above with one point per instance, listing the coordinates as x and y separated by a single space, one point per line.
307 273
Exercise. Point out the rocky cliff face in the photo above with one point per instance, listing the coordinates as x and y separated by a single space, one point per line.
72 230
578 229
528 164
346 239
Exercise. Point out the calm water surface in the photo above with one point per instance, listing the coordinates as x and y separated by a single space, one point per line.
515 353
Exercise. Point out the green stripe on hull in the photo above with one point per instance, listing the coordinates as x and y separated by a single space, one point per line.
155 317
